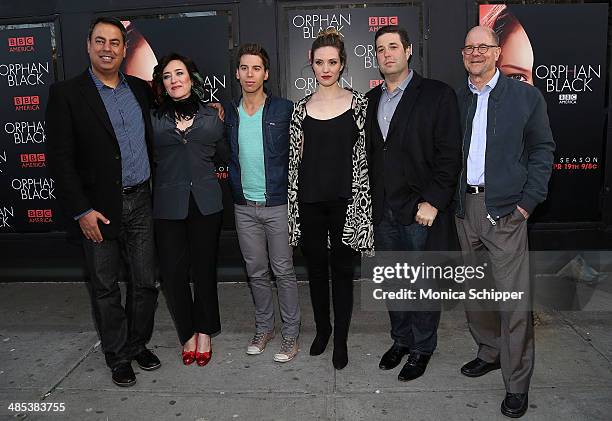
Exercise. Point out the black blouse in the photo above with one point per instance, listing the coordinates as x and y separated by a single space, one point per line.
325 173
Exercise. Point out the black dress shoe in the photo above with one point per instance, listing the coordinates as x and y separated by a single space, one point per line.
319 343
478 367
414 367
123 375
147 360
393 357
340 356
514 405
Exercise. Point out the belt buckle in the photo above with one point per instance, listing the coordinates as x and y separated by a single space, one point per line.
255 204
131 189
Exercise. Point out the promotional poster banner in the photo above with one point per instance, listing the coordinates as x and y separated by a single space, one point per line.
358 26
203 37
540 47
27 197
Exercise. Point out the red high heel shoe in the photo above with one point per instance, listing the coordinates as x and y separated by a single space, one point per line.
190 356
203 358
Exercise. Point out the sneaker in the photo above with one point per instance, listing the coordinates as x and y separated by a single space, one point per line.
288 350
258 343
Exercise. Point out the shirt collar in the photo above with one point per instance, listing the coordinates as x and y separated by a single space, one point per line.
489 86
99 84
402 86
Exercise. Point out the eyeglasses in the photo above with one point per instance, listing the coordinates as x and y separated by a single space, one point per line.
482 49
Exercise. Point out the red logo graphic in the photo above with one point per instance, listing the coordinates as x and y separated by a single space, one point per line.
32 160
382 20
20 41
26 103
37 216
20 44
375 82
26 100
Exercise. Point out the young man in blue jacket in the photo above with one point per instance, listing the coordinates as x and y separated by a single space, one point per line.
507 161
257 128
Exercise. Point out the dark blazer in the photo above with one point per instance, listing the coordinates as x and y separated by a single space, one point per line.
421 158
184 164
83 152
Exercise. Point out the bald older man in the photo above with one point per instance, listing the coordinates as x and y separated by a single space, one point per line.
507 161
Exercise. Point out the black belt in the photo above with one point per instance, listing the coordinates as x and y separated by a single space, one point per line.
474 189
255 204
132 189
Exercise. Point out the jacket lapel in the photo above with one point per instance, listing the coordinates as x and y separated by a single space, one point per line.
92 96
373 102
405 106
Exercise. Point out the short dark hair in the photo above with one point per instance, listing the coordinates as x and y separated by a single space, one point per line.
330 37
197 82
394 29
253 49
111 21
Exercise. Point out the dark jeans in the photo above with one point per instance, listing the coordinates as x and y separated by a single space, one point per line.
316 220
189 246
416 330
124 331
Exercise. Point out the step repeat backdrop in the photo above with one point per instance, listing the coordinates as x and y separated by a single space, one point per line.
27 195
537 48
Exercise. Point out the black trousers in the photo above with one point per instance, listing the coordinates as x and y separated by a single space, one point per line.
189 247
124 331
317 220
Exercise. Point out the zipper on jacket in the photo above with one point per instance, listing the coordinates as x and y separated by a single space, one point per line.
494 109
463 157
263 140
491 220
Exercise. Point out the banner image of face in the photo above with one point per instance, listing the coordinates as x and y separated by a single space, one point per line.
539 47
358 26
27 200
204 38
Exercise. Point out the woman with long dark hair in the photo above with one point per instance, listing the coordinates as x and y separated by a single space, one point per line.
187 203
329 191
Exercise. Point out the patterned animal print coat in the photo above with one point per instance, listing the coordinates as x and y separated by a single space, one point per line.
358 231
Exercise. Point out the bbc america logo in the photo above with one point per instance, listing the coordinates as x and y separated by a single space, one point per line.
26 103
377 22
20 44
33 160
38 216
568 98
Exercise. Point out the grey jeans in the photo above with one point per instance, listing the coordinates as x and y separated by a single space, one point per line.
264 242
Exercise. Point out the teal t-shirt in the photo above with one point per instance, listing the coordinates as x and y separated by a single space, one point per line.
251 155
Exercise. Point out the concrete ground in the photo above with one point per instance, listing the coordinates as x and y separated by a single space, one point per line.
49 353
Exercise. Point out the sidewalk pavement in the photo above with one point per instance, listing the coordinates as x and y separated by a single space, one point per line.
49 352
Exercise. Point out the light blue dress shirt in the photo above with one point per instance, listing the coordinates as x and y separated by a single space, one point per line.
478 141
388 103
